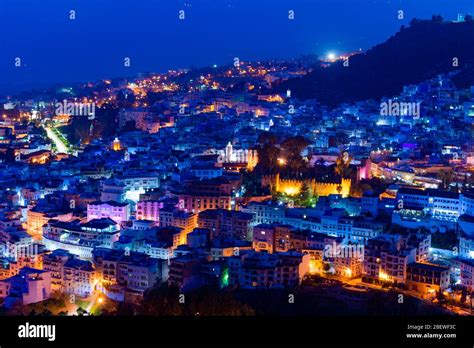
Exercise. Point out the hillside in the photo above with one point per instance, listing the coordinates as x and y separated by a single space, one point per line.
416 53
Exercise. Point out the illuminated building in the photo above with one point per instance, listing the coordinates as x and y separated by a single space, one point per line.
439 204
134 115
252 270
38 216
277 238
207 194
79 238
271 98
126 187
228 247
335 223
116 145
467 274
149 210
466 245
263 238
119 212
172 236
316 259
227 224
38 157
62 118
427 278
8 269
229 156
29 286
185 272
206 172
292 187
54 263
68 274
185 221
386 258
133 271
79 277
266 212
348 267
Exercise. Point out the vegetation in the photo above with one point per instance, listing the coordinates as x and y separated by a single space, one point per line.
82 130
252 182
268 153
447 240
446 177
291 149
386 68
343 165
284 157
164 300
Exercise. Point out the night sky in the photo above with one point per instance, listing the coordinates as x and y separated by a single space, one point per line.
57 49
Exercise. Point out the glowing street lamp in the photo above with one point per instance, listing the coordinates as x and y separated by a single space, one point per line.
383 276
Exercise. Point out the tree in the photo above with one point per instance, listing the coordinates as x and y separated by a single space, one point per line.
268 152
80 311
130 125
46 312
343 165
268 158
292 149
305 196
10 155
415 21
441 298
463 295
446 176
267 138
437 19
252 183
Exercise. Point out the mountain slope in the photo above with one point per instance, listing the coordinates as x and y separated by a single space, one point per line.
419 52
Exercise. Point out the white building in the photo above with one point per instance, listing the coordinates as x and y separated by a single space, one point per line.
79 238
119 212
128 187
29 286
149 210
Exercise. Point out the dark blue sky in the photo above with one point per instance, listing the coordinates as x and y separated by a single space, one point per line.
56 49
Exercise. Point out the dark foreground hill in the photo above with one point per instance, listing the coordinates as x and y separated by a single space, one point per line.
416 53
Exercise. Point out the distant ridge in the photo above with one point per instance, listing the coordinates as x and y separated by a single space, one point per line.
418 52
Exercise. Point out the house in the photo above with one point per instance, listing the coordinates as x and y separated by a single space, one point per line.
29 286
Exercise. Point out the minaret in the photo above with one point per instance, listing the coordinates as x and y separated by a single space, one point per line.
116 146
228 152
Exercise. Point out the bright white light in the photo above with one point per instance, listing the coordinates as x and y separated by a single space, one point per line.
331 56
134 195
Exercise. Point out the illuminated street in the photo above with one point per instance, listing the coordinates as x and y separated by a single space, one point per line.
61 147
